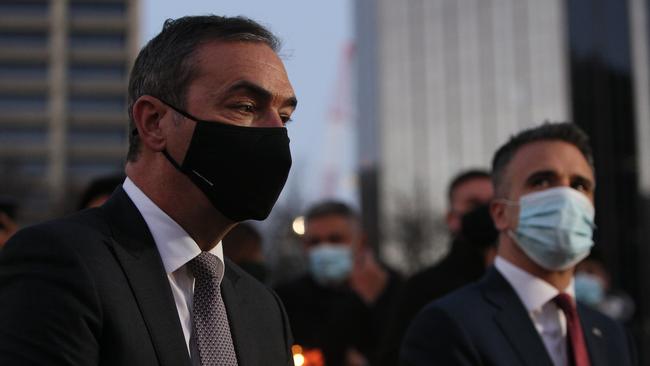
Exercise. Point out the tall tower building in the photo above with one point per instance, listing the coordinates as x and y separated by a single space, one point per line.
443 83
64 68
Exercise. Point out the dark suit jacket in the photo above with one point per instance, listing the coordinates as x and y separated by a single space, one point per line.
335 319
464 264
487 324
90 289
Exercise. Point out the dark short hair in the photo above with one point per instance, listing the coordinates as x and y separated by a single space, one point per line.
328 208
165 66
464 177
101 186
556 131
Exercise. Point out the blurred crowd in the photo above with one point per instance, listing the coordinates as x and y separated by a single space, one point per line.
351 309
168 270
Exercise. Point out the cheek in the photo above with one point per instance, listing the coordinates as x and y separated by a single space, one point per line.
512 216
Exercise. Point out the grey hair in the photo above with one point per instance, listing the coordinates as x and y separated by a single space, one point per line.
165 66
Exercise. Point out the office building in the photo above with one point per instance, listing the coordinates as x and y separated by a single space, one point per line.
63 74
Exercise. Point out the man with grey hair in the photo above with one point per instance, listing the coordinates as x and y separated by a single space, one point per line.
523 311
142 280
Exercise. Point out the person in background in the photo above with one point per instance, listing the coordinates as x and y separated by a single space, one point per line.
593 288
99 190
8 224
466 261
243 245
523 310
341 305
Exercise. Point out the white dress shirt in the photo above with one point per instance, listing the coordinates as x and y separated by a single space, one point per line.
176 248
537 296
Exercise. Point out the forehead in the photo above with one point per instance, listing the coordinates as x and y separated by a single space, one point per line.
560 157
475 187
219 64
328 223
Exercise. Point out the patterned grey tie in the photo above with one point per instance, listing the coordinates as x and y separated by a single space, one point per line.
210 326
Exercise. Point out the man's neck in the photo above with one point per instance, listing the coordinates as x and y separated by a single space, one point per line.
191 209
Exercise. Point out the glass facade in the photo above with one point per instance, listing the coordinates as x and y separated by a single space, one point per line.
21 7
64 67
86 71
82 9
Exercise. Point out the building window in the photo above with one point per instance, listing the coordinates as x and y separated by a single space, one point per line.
78 72
96 104
32 103
103 9
21 7
97 135
83 168
23 39
103 41
23 135
11 71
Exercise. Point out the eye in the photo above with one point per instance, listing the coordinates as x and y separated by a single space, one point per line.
244 107
581 186
540 182
286 119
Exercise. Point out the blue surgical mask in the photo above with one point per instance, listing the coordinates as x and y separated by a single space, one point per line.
589 289
555 227
330 263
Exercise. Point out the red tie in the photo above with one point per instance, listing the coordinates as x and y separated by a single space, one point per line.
578 355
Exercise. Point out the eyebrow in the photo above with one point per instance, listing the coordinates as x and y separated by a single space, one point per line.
250 87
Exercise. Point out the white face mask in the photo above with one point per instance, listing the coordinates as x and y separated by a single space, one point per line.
330 263
555 227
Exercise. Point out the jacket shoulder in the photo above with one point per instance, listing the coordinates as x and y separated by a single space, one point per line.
76 230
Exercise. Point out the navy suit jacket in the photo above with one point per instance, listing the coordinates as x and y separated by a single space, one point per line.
90 289
487 324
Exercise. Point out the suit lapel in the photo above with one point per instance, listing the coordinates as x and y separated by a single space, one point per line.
243 342
594 337
136 252
514 321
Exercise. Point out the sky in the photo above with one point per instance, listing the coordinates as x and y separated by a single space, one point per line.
315 35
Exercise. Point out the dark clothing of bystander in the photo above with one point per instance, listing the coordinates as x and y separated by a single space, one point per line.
464 264
335 319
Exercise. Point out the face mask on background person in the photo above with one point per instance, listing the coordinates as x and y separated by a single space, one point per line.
241 170
555 227
330 263
589 289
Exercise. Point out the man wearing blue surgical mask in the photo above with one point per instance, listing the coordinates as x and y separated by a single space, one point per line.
523 311
340 306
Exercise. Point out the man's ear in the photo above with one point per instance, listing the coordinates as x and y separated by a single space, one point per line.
499 215
453 221
147 113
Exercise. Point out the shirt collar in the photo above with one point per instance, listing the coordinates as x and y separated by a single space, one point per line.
175 245
533 291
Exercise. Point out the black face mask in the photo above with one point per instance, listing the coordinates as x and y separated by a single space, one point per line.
241 170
